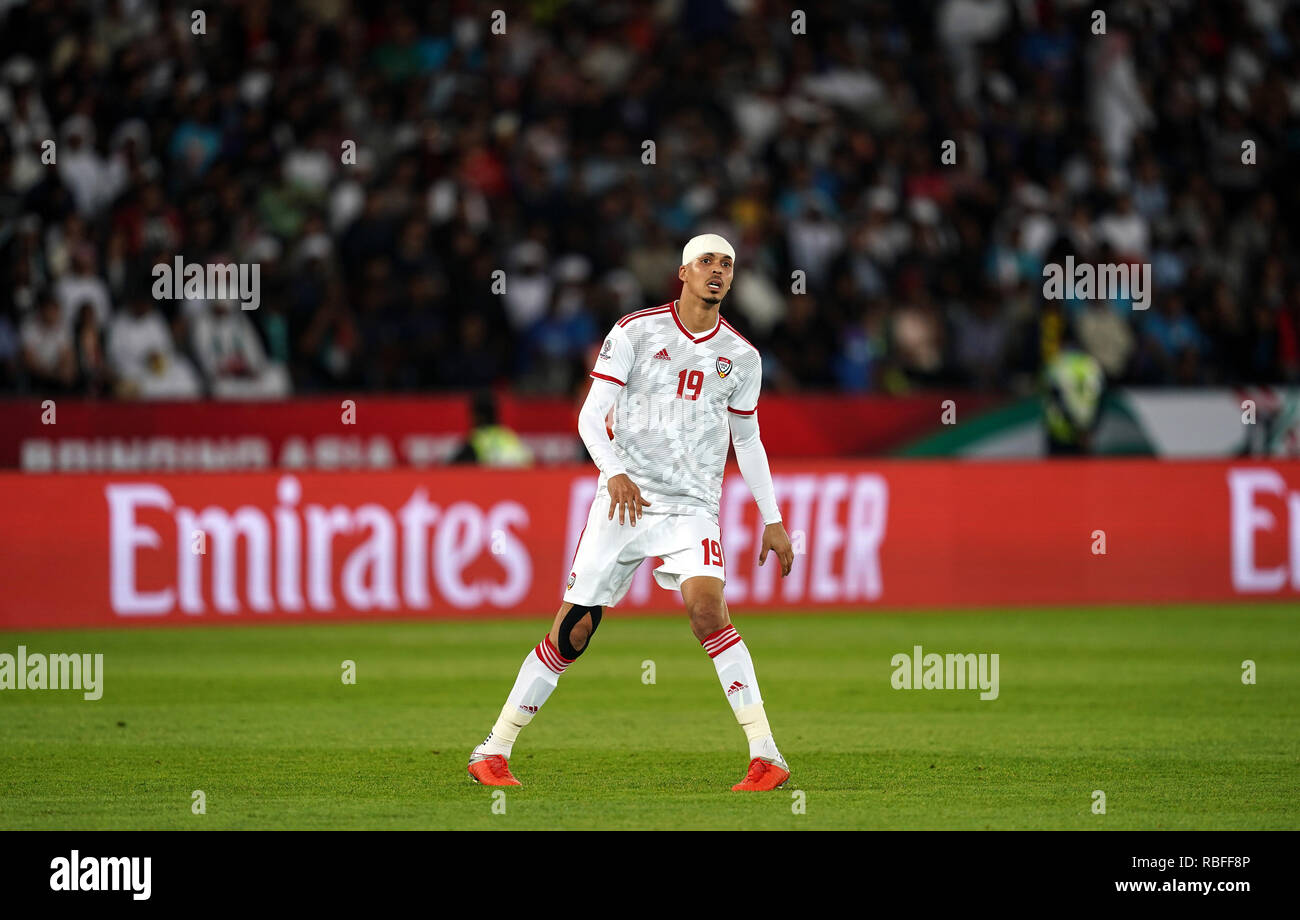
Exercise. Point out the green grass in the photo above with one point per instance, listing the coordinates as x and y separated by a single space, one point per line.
1146 704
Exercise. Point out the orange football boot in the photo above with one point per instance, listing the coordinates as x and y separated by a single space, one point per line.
490 770
764 775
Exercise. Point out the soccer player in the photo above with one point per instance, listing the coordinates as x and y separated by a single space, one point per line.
682 382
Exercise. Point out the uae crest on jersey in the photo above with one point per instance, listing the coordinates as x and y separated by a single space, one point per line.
724 367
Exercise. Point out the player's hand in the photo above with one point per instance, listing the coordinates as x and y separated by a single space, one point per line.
624 495
776 540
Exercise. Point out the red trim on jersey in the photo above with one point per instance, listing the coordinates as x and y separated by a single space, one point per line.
709 335
686 332
610 379
678 321
723 322
647 312
576 548
743 411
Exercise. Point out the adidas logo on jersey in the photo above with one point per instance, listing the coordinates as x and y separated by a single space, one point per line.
735 685
663 354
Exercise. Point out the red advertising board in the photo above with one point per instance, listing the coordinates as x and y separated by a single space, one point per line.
136 550
366 432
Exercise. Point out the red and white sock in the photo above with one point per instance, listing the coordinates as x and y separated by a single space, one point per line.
739 682
538 677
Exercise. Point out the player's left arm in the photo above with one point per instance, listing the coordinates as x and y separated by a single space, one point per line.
751 457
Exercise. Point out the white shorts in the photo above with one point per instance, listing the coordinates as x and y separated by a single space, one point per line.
609 552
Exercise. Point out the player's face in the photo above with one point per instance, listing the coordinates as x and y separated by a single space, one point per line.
708 277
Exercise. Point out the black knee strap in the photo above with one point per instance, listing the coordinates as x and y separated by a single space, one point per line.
571 619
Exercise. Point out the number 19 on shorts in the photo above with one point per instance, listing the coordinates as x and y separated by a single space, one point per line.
712 552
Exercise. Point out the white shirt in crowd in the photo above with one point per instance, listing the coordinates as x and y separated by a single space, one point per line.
231 355
141 353
72 291
45 343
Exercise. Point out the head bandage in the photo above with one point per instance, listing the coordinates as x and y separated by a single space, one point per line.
706 242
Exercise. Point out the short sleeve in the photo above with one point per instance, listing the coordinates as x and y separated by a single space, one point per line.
614 363
744 400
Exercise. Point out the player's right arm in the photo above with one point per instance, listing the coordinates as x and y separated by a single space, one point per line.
609 377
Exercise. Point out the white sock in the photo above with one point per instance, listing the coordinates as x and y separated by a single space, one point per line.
538 677
739 682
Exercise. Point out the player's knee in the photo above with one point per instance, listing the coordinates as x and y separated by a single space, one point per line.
708 615
577 628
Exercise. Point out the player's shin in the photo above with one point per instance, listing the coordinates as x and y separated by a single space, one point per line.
735 670
538 677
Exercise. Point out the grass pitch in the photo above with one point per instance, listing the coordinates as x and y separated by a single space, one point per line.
1145 704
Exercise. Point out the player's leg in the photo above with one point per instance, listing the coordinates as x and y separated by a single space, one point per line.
538 677
598 579
695 566
711 623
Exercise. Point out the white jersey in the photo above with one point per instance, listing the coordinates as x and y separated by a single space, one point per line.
671 425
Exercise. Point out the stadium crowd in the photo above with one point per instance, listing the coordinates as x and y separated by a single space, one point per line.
383 162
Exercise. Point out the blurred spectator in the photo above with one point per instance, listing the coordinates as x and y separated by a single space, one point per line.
1288 336
1172 333
1125 231
802 347
329 345
474 361
93 180
859 364
143 358
490 443
231 356
918 336
81 287
556 343
88 342
982 338
1073 382
48 356
11 351
1106 334
529 286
